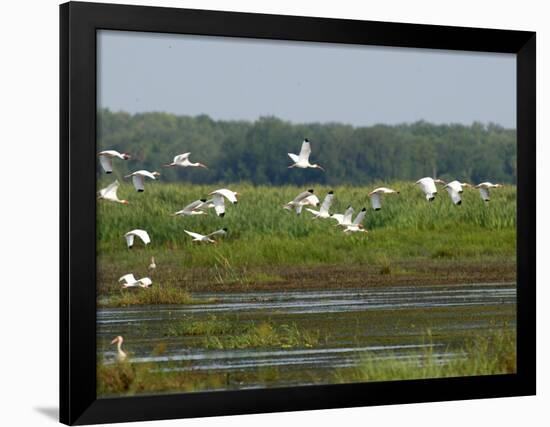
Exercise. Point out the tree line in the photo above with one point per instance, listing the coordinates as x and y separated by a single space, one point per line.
256 151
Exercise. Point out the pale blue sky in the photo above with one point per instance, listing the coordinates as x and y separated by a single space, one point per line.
234 79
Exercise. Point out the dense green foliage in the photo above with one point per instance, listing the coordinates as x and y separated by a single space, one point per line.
255 152
262 234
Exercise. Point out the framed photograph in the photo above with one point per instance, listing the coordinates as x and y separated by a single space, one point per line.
267 213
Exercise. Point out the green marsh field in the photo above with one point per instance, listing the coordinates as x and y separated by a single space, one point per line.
284 299
267 245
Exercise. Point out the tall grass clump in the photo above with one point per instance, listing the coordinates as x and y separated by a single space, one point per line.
492 354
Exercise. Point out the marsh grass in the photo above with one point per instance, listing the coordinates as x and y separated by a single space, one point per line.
258 225
264 241
265 335
151 296
491 354
221 333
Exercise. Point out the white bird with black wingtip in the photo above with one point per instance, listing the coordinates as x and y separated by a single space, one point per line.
198 207
218 200
345 218
376 196
455 189
106 159
323 211
427 185
306 198
301 160
138 178
484 188
356 225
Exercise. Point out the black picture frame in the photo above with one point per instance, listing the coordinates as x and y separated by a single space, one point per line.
78 25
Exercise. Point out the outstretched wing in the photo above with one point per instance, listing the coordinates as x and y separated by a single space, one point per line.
301 196
338 217
128 278
455 195
427 185
143 235
111 189
181 157
325 207
294 157
376 201
360 217
228 194
347 215
145 282
137 180
314 212
129 239
484 192
197 204
219 204
146 173
194 235
305 151
220 231
106 163
312 200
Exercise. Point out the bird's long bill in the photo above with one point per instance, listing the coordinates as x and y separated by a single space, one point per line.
114 340
322 168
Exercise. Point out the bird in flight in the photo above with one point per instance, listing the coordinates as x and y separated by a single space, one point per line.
106 159
301 160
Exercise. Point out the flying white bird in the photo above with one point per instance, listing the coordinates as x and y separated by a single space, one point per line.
323 212
376 196
106 159
195 208
305 198
345 218
138 178
153 265
455 189
121 355
142 234
484 189
427 185
206 238
183 161
302 160
217 202
356 225
131 282
228 194
109 193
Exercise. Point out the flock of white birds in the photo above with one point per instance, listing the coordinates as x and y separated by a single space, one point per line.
217 198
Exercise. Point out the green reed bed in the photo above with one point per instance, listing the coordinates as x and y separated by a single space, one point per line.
264 240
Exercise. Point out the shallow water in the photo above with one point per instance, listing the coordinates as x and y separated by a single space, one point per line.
378 322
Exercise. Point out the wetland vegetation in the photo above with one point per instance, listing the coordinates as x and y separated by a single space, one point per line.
286 300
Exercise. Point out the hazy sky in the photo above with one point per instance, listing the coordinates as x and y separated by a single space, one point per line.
302 82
